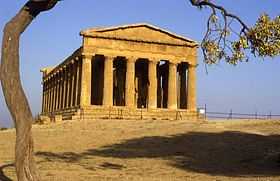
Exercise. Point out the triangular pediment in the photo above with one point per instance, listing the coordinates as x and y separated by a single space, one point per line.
139 32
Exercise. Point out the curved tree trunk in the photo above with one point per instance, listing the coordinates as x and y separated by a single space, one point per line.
11 84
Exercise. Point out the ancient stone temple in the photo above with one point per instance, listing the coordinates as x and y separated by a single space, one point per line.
132 71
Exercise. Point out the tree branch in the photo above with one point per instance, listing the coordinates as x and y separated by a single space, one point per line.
12 88
201 3
261 40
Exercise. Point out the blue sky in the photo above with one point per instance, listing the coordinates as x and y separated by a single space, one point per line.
247 87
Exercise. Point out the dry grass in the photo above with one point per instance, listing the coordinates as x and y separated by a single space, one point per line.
151 150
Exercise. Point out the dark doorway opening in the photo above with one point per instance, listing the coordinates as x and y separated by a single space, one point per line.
182 85
119 67
162 85
141 76
97 80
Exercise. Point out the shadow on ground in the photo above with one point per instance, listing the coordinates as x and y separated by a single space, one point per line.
227 153
3 177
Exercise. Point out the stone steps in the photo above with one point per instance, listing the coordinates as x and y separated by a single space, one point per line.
92 113
119 113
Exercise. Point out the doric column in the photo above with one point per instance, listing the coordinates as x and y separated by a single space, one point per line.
54 93
130 82
191 94
51 93
43 97
152 92
74 82
72 79
78 82
47 96
56 90
68 98
86 81
108 81
172 86
64 88
59 90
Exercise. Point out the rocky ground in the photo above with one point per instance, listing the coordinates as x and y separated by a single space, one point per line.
151 150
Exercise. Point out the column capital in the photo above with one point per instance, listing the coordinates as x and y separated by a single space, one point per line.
87 56
131 58
109 57
154 60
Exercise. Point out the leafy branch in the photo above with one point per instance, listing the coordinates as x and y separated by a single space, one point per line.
222 42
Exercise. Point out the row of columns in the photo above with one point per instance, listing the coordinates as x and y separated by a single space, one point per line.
130 86
62 89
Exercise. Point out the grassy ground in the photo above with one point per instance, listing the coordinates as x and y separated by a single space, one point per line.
151 150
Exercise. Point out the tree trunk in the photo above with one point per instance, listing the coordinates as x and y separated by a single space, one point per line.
11 84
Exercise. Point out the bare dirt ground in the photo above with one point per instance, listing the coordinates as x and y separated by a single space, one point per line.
151 150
